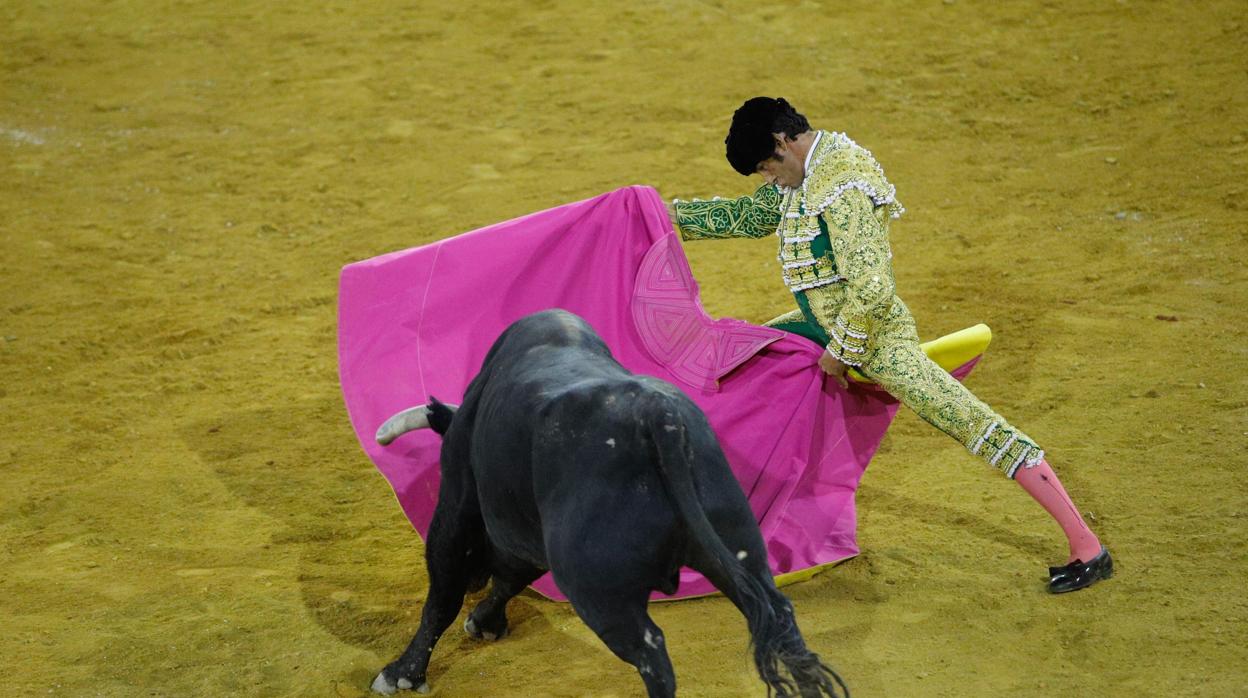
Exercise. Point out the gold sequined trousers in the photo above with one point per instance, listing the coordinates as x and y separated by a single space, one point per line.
895 362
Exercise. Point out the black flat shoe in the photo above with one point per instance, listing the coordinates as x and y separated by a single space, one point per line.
1080 574
1067 569
1071 568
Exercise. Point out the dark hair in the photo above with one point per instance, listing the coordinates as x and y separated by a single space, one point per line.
749 140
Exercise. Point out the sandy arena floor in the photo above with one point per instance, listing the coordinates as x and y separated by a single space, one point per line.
185 510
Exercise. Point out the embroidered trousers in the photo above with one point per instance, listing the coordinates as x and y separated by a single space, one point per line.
897 364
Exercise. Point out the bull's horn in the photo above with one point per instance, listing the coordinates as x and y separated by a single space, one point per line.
410 419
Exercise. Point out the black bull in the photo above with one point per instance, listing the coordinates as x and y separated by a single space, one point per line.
560 459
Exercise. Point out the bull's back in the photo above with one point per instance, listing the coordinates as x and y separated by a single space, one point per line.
561 438
561 397
542 364
604 508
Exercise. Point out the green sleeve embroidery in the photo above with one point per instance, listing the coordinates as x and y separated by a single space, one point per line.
859 241
748 216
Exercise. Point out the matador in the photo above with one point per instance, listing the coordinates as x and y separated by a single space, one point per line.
828 202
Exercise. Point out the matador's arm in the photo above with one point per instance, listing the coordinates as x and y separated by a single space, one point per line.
859 241
748 216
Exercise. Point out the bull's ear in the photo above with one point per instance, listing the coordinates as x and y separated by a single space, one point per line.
440 415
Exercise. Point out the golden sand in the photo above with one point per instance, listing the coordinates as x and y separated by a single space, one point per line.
185 510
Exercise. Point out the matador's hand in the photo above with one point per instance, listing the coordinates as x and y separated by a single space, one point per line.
671 211
833 367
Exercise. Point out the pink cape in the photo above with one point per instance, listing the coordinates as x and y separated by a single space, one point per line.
418 322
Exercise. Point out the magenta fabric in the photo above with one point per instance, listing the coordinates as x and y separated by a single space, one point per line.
418 323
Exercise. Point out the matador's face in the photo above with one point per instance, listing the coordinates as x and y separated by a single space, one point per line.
786 168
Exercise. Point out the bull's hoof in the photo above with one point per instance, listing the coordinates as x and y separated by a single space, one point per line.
383 686
471 627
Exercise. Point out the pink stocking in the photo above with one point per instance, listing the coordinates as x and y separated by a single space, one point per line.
1042 484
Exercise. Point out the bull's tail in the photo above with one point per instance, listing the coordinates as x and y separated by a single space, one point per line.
777 643
435 415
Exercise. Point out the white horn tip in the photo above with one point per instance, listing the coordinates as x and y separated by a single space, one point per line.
408 420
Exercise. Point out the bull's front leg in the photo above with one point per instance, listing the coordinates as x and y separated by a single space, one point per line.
408 671
446 557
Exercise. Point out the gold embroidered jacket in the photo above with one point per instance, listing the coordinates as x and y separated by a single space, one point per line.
832 230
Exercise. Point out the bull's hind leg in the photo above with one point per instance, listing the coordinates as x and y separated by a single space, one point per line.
627 629
488 621
777 640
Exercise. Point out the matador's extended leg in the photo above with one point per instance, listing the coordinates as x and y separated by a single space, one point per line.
901 368
910 376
